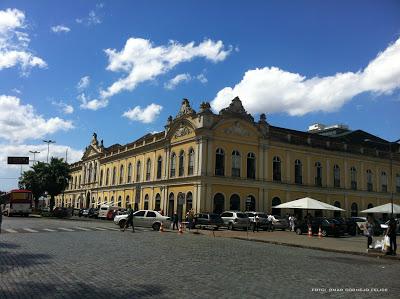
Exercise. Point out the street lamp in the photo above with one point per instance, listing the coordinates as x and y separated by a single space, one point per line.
48 147
391 167
34 155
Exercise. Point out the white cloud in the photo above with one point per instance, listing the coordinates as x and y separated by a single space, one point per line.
95 104
14 42
171 84
93 18
9 174
202 78
83 83
60 29
20 122
16 90
142 61
65 108
146 115
271 89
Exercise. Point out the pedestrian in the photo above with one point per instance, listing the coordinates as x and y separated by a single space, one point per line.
129 220
175 221
256 223
291 222
270 220
191 218
391 233
369 231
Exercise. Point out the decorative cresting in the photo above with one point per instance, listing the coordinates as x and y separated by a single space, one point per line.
93 148
236 109
182 131
237 129
185 109
205 107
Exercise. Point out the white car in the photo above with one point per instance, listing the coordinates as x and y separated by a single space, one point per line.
145 218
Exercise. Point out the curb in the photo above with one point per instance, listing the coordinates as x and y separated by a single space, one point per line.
377 255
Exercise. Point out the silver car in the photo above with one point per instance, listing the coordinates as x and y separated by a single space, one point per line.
145 218
235 219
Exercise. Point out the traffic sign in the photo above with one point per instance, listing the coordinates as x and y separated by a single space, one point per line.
17 160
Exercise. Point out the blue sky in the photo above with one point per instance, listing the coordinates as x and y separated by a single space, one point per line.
300 62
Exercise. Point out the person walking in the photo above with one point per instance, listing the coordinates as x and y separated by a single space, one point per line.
369 231
175 221
256 223
191 218
270 223
129 220
391 233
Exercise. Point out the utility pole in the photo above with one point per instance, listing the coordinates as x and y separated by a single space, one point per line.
66 155
48 147
34 155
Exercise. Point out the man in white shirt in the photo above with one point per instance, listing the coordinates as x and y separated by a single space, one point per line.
270 222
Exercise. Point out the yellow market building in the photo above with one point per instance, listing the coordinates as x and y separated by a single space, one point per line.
227 161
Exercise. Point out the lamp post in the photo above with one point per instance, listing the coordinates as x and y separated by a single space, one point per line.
34 155
48 147
391 167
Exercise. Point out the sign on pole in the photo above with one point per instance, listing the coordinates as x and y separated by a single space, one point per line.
17 160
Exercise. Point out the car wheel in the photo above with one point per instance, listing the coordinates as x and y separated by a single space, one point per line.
298 231
324 233
122 223
230 226
156 226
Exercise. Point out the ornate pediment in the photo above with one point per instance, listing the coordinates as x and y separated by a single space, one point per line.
238 130
236 109
185 109
182 131
94 148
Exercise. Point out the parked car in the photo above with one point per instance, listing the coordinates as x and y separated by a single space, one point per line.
203 220
60 212
93 213
329 227
235 219
144 218
262 219
45 212
104 211
279 222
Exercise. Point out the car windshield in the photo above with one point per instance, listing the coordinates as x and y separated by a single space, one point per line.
242 215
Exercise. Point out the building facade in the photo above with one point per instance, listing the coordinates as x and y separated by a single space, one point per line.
228 161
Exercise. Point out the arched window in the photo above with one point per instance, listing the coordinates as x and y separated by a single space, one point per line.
383 181
171 204
276 201
84 175
127 201
95 172
148 169
369 180
157 206
159 167
101 177
336 214
112 201
250 203
235 163
173 165
114 175
90 173
121 174
76 181
98 202
219 203
220 162
298 172
276 169
370 206
234 202
336 176
107 176
146 202
181 169
105 200
80 181
354 210
318 174
138 171
129 178
191 162
189 201
119 201
353 178
251 166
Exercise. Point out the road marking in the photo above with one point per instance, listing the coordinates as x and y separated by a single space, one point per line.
30 230
49 230
66 229
82 228
99 228
10 230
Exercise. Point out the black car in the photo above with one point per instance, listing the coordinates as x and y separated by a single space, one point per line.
61 212
93 213
329 227
203 220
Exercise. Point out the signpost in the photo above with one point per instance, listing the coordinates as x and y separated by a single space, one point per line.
18 160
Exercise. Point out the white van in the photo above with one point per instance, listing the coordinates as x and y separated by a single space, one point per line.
104 210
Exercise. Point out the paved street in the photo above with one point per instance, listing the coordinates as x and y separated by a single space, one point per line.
86 259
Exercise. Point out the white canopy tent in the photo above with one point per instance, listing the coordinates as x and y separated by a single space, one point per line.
307 203
385 209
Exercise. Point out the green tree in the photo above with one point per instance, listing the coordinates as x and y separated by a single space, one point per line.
33 180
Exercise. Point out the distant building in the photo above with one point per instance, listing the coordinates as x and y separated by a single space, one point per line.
228 161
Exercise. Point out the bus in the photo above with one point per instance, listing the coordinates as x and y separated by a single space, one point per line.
17 202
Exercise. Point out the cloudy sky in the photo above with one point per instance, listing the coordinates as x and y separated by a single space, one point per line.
120 68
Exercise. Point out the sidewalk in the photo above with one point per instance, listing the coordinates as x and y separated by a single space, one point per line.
347 244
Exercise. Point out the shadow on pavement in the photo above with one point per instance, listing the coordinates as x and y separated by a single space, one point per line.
8 245
82 290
